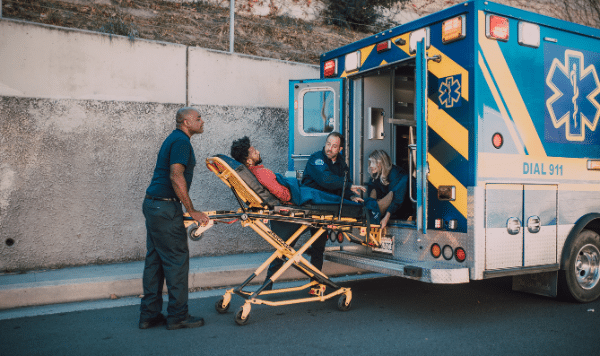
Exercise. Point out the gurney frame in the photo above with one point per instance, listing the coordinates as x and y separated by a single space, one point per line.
254 213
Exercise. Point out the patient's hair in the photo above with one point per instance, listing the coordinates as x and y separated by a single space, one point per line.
239 149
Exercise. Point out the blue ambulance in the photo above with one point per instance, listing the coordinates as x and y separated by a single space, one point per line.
493 112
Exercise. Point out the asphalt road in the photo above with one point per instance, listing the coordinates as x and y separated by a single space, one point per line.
389 316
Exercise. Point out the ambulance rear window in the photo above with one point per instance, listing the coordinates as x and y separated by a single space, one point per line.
318 112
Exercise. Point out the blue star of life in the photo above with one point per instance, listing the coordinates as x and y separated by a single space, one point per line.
573 104
449 91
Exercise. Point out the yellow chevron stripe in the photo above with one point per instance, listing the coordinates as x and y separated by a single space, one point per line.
446 67
509 91
439 175
448 128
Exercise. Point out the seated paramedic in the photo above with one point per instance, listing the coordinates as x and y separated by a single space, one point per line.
326 170
386 190
243 152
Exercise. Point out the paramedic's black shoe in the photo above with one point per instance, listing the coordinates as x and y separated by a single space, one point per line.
187 323
156 321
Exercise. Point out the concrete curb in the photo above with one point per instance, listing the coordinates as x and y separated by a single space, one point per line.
77 284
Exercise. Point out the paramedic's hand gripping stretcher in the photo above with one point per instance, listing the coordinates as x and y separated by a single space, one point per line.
337 220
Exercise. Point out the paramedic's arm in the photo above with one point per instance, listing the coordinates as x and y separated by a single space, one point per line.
180 187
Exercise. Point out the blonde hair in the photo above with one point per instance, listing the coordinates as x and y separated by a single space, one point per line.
384 166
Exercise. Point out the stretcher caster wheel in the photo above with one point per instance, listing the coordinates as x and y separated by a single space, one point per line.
221 307
344 303
196 232
240 319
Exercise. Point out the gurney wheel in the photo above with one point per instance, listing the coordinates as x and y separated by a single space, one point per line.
342 305
238 317
222 309
191 230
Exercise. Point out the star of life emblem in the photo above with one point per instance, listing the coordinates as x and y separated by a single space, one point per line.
573 102
449 92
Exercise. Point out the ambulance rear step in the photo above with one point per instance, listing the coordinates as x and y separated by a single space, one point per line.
421 271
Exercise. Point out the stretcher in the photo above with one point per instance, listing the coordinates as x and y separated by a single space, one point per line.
255 211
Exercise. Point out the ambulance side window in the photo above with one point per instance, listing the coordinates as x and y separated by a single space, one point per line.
318 112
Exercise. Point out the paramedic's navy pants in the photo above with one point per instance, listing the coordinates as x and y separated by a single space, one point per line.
167 259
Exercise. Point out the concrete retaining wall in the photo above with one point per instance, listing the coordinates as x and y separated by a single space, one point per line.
82 116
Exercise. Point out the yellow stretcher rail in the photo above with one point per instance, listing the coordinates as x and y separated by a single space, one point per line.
254 213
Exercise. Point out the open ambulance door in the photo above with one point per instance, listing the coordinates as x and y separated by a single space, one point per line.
315 110
421 169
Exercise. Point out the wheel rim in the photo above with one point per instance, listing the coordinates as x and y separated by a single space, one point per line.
587 266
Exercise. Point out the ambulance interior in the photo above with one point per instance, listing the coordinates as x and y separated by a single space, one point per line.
385 100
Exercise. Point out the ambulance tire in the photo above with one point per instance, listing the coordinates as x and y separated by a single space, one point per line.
580 280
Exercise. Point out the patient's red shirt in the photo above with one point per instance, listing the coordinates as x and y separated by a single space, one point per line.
267 178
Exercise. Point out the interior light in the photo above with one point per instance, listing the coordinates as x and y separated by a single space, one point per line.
417 36
497 140
529 34
384 46
436 251
496 27
460 254
330 68
454 29
352 61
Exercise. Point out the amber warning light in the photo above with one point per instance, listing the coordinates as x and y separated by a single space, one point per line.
453 29
593 165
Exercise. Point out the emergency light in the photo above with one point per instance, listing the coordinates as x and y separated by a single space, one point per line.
529 34
384 46
460 254
454 29
436 251
497 140
352 61
417 36
330 68
496 27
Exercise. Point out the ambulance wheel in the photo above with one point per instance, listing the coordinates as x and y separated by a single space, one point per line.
342 305
238 317
191 230
580 281
222 309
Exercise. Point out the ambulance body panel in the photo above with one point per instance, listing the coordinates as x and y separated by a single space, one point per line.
494 113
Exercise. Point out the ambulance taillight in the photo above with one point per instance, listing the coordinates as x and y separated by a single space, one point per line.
330 68
460 254
436 251
496 27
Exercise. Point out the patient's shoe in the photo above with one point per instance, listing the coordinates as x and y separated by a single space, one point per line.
317 290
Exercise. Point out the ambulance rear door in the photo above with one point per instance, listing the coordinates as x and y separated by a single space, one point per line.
316 110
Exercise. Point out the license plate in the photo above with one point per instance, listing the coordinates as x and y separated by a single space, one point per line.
387 245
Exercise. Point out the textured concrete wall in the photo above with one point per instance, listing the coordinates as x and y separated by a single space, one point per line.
78 144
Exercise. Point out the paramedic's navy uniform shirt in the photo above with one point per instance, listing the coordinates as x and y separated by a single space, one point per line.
176 149
321 173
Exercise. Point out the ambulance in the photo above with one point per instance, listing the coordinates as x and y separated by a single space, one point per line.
493 112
